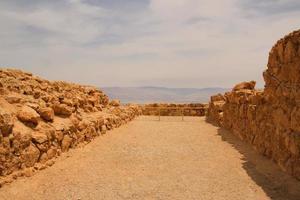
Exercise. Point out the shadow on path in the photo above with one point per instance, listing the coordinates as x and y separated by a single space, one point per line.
276 184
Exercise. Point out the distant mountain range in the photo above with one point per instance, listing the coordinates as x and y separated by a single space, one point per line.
162 94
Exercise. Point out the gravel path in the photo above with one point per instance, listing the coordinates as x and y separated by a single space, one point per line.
170 159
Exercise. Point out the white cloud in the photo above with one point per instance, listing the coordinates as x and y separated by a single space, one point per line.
77 23
180 43
185 9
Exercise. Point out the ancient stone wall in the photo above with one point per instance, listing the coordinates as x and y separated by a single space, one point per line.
40 119
170 109
269 119
214 112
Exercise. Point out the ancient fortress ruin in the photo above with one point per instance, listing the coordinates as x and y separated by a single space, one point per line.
40 119
268 119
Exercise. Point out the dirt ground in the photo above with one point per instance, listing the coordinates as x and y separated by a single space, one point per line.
167 159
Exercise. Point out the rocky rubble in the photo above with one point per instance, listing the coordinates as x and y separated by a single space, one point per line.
269 119
170 109
40 119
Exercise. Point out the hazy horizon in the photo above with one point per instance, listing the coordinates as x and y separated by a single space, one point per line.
149 86
150 94
119 43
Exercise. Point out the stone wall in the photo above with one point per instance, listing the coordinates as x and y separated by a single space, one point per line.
170 109
269 119
40 119
214 112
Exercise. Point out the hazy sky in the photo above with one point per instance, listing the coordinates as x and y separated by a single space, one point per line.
172 43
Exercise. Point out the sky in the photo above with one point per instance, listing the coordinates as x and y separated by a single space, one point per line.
129 43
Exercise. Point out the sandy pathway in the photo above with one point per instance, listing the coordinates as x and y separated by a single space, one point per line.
170 159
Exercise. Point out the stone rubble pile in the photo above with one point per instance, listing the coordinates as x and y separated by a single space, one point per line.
268 119
40 119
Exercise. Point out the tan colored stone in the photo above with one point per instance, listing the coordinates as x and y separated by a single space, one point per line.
43 158
22 138
115 103
51 153
39 137
6 122
245 85
47 114
218 97
30 155
28 172
50 163
103 129
62 110
66 143
28 115
13 99
59 135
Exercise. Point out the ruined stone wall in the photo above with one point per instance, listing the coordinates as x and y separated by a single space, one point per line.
40 119
214 112
170 109
269 119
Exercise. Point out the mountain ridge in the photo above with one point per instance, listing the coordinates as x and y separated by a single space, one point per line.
150 94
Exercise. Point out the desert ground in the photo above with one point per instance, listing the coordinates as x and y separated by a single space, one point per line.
167 159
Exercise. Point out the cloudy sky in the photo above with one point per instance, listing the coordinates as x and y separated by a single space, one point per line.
172 43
